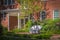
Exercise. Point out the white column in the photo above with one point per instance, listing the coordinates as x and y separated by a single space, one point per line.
8 22
7 2
59 13
20 23
24 22
40 16
18 20
29 17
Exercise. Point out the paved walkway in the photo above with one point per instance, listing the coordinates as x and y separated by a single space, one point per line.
23 33
55 37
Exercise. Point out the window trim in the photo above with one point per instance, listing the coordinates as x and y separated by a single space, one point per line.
41 18
53 14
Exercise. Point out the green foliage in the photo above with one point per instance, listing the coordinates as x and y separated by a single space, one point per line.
28 6
3 30
15 30
26 36
49 25
26 28
29 23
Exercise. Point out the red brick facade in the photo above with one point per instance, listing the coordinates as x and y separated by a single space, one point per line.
50 6
13 19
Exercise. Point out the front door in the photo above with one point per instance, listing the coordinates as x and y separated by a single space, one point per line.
13 20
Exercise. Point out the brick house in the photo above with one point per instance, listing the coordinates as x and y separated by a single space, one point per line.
54 9
51 10
9 7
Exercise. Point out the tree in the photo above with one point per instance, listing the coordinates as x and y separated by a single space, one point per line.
30 6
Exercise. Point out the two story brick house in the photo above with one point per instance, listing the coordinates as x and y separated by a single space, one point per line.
50 10
7 10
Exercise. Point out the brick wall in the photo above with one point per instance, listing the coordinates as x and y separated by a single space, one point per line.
52 5
13 20
4 21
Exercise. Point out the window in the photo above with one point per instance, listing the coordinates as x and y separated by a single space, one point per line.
26 20
3 15
8 2
56 14
5 2
22 22
43 15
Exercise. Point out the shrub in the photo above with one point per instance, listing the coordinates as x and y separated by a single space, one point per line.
1 30
31 36
5 30
49 25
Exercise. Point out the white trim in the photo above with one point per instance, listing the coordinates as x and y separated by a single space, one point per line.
53 14
11 2
8 22
24 22
18 21
10 10
7 2
40 16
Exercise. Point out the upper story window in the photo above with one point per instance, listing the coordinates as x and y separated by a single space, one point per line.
8 2
3 16
56 14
